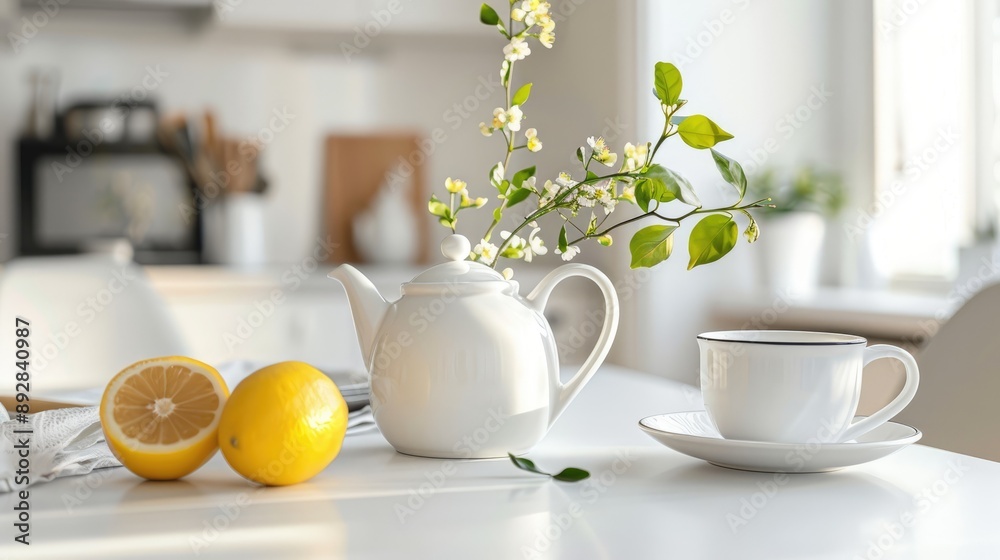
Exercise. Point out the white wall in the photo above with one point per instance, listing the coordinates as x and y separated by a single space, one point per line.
401 81
243 82
748 65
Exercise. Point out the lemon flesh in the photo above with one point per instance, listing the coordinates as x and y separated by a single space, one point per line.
160 417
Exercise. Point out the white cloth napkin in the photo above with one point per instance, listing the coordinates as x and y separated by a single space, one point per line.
69 441
62 442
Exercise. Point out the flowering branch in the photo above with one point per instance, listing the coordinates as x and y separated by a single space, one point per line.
638 180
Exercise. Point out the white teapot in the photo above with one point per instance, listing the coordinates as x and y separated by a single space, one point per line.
461 365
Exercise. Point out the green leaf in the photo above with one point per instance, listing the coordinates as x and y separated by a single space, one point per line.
563 242
698 131
517 196
580 153
591 176
522 175
668 83
504 187
572 474
679 188
674 186
524 464
676 119
497 214
438 208
522 95
711 239
592 226
753 231
732 172
651 245
645 192
488 15
447 223
662 193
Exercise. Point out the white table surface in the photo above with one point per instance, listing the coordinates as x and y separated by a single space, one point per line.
918 503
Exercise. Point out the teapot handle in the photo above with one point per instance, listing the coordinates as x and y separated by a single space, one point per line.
539 297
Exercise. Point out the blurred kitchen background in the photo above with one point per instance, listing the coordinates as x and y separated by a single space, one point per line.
872 124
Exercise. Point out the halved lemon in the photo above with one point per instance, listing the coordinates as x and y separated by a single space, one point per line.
161 416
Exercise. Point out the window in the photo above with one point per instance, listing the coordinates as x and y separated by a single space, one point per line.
934 132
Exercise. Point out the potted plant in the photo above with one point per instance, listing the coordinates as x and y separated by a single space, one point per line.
791 254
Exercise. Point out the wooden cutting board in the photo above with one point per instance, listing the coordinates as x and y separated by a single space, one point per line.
356 167
36 405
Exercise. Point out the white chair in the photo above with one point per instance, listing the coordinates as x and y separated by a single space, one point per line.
957 406
90 316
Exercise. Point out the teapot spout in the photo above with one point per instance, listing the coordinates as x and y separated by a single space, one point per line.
367 306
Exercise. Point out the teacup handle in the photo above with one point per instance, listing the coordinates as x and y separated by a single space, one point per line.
539 297
877 352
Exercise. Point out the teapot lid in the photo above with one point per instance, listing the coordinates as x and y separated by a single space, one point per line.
456 249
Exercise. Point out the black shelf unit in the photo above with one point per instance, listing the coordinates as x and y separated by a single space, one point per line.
31 150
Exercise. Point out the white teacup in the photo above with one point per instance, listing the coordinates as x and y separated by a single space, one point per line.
793 386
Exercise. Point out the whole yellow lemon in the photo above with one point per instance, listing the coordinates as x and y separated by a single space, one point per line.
283 424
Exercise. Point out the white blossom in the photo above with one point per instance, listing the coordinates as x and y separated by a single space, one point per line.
517 49
566 180
547 39
500 117
533 11
510 118
604 195
602 154
549 191
470 202
455 186
628 193
514 116
486 251
533 143
515 245
548 24
571 252
535 245
635 156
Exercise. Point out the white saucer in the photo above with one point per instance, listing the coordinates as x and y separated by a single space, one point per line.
693 434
